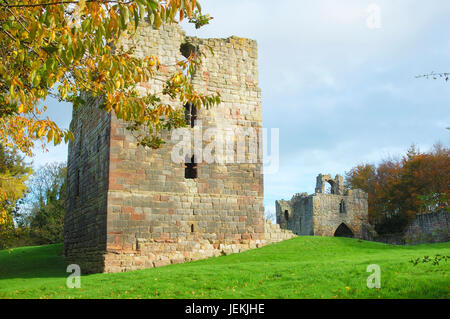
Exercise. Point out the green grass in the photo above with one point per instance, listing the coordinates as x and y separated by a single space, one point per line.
304 267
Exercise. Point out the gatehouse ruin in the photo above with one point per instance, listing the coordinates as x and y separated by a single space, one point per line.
330 211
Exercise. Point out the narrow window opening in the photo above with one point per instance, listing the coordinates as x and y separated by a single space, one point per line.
190 171
190 114
192 228
99 143
286 215
342 207
77 183
80 144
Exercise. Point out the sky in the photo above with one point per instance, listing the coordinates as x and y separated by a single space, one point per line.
338 78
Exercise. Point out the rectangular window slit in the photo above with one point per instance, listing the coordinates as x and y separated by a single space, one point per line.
190 113
190 171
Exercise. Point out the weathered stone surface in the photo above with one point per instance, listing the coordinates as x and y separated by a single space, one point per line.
321 214
274 234
428 228
130 208
87 186
424 228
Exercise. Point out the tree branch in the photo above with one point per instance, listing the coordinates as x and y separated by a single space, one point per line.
61 2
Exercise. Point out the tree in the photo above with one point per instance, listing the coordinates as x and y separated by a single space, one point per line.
426 176
435 76
46 204
400 189
65 47
14 172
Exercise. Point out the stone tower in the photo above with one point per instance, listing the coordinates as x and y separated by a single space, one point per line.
335 213
129 207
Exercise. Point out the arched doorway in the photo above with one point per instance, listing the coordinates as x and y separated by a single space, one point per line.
343 231
329 187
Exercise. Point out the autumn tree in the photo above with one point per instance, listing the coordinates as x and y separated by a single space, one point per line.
62 48
400 189
426 176
14 172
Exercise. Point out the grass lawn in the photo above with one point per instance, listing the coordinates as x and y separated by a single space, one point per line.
304 267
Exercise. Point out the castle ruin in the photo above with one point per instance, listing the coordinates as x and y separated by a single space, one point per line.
330 211
130 207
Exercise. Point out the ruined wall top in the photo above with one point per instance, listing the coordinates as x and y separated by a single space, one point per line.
336 184
169 44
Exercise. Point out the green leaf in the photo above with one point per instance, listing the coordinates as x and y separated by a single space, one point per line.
141 9
37 80
124 17
151 17
153 4
33 31
136 18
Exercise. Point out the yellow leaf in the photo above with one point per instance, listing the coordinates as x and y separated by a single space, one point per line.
82 4
41 130
49 135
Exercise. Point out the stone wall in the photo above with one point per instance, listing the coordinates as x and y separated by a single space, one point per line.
429 228
87 186
274 233
328 217
336 184
296 214
142 211
425 228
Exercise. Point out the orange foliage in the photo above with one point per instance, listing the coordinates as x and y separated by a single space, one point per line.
62 48
418 183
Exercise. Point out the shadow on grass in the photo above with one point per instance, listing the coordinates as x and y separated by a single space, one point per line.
33 262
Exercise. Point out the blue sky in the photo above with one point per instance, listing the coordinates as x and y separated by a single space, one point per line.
340 92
